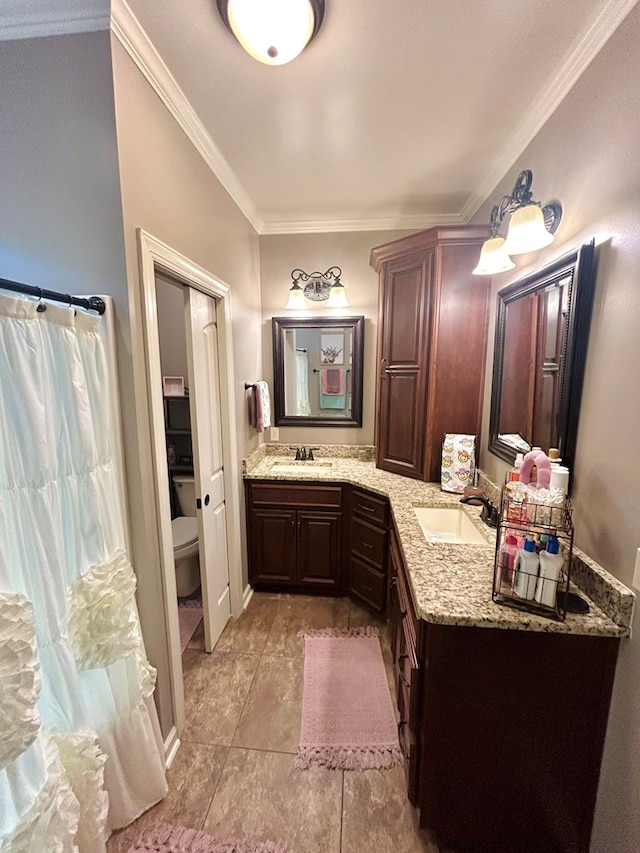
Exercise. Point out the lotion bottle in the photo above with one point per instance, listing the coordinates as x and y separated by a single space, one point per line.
508 554
525 570
550 568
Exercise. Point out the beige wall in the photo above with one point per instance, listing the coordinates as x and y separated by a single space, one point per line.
279 255
169 192
587 157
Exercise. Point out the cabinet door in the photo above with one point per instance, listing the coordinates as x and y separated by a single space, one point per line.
319 549
272 546
402 377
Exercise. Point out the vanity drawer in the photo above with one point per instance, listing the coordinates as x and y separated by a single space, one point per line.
294 494
369 543
368 584
372 508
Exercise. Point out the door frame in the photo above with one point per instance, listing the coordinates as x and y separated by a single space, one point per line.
156 257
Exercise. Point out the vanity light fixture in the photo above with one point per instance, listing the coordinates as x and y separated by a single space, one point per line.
531 227
272 31
319 287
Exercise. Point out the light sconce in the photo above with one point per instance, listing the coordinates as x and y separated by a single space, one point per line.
319 287
272 31
531 227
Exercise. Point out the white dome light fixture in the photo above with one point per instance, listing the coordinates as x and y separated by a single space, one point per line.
272 31
531 227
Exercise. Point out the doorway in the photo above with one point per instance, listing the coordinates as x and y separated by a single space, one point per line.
207 324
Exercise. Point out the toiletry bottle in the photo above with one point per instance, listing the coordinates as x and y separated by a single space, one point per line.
508 554
515 498
550 567
525 570
554 456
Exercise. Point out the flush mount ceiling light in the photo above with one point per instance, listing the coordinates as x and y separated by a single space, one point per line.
531 227
272 31
319 287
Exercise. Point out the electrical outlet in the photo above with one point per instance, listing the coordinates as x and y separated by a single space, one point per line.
636 571
275 434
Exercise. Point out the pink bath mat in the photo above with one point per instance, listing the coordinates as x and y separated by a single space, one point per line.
348 720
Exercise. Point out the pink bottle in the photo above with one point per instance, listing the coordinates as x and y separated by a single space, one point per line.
508 554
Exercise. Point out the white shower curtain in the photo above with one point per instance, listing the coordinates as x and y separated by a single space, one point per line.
302 383
80 747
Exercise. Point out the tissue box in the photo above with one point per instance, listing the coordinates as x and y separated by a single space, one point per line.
458 462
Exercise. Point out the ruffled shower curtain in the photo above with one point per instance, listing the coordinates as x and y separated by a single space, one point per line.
302 383
80 746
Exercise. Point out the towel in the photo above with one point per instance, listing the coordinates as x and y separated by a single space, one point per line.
458 462
260 407
332 381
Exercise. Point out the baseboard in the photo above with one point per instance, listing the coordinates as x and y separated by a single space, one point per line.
171 746
247 596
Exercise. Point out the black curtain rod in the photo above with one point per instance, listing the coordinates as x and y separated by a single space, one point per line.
91 303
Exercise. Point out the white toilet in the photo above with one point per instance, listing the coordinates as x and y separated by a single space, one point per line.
185 537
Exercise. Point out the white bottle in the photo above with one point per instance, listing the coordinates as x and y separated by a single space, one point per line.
550 568
525 570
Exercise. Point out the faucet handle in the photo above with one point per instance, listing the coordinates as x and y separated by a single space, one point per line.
298 455
310 453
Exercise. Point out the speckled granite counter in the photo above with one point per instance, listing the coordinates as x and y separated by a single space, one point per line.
451 584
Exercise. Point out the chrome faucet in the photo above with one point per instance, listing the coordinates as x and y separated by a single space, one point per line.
489 512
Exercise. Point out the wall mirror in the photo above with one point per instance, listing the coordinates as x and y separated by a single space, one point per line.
317 371
542 330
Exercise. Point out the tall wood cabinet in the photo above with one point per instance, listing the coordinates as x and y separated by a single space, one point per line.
432 334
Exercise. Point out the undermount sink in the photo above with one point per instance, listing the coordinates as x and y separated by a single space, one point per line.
299 467
448 524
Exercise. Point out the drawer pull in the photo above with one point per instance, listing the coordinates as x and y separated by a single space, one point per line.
367 545
366 508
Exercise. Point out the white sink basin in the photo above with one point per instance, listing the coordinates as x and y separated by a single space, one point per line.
299 467
445 524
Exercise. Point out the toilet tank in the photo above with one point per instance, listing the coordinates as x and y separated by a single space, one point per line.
186 493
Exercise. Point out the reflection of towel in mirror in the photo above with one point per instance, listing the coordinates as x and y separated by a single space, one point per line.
332 380
260 407
332 394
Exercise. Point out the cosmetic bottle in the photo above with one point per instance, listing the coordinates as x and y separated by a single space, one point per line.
554 456
550 568
525 570
508 554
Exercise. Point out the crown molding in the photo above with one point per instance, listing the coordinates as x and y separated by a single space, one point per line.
29 25
557 87
388 223
127 29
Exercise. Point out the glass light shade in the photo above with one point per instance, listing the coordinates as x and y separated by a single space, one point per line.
493 258
296 299
337 297
272 31
526 231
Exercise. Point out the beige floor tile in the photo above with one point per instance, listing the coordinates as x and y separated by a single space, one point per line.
271 716
249 632
261 796
192 780
215 692
376 815
302 611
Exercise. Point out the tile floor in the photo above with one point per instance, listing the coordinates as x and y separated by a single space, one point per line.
233 775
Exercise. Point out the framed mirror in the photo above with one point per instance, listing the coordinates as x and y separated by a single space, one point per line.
542 330
317 371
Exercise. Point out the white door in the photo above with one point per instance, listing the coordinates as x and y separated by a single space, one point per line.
206 433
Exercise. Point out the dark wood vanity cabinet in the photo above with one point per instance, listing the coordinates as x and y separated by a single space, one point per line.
432 329
502 730
368 548
295 536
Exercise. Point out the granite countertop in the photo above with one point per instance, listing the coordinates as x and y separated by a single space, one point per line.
451 584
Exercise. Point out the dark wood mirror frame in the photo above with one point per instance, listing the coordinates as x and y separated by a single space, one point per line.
356 324
580 268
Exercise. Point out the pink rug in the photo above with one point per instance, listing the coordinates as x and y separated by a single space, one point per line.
348 721
177 839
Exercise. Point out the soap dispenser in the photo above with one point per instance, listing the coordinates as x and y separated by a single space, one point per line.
525 570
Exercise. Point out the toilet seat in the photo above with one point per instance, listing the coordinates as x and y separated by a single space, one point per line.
184 530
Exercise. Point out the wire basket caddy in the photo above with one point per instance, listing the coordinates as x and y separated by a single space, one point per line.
516 583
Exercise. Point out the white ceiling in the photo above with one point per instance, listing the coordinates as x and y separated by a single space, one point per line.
399 114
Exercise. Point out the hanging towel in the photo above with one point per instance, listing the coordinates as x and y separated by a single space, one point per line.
260 407
458 462
332 380
330 399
